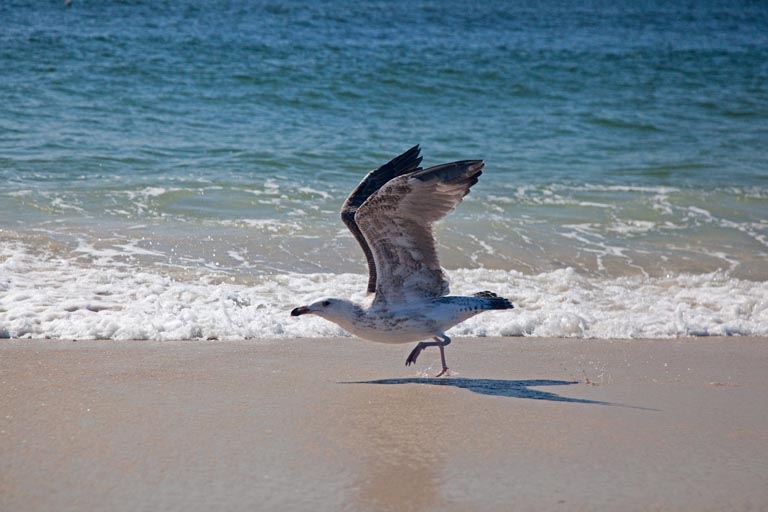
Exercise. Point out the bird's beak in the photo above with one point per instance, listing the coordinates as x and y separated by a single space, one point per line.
303 310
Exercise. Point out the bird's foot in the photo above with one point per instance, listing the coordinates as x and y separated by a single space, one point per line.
414 355
443 372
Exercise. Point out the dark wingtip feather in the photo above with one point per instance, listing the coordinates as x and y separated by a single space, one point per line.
402 164
494 301
485 294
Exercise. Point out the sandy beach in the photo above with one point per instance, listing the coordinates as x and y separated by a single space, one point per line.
342 424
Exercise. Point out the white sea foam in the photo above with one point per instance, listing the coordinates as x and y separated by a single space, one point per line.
270 225
49 297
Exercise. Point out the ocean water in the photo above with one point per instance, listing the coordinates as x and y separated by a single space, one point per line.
174 169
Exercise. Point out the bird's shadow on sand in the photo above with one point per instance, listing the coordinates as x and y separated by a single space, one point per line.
499 387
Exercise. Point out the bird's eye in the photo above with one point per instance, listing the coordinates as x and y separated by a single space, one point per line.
326 303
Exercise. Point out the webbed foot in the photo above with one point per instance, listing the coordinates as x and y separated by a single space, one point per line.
414 354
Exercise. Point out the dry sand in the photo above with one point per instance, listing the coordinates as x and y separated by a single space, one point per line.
341 424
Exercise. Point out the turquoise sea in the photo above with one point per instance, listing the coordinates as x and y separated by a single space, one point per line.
174 169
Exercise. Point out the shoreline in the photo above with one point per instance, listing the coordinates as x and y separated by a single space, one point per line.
342 424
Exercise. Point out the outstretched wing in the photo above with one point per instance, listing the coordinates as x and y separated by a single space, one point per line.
397 221
403 164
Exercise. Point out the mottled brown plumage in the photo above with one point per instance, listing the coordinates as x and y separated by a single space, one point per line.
391 214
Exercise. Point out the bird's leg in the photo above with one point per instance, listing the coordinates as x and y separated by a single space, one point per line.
440 341
444 343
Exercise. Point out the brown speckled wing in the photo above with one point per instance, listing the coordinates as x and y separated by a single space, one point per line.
403 164
397 221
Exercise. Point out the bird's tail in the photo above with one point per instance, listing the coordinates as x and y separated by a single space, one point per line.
493 301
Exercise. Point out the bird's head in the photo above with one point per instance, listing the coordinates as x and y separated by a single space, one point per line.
329 309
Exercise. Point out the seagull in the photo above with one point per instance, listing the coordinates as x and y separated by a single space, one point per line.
391 214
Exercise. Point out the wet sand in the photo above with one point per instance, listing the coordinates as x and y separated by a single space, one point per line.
342 424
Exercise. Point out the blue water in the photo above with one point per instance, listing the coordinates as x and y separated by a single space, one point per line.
214 143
